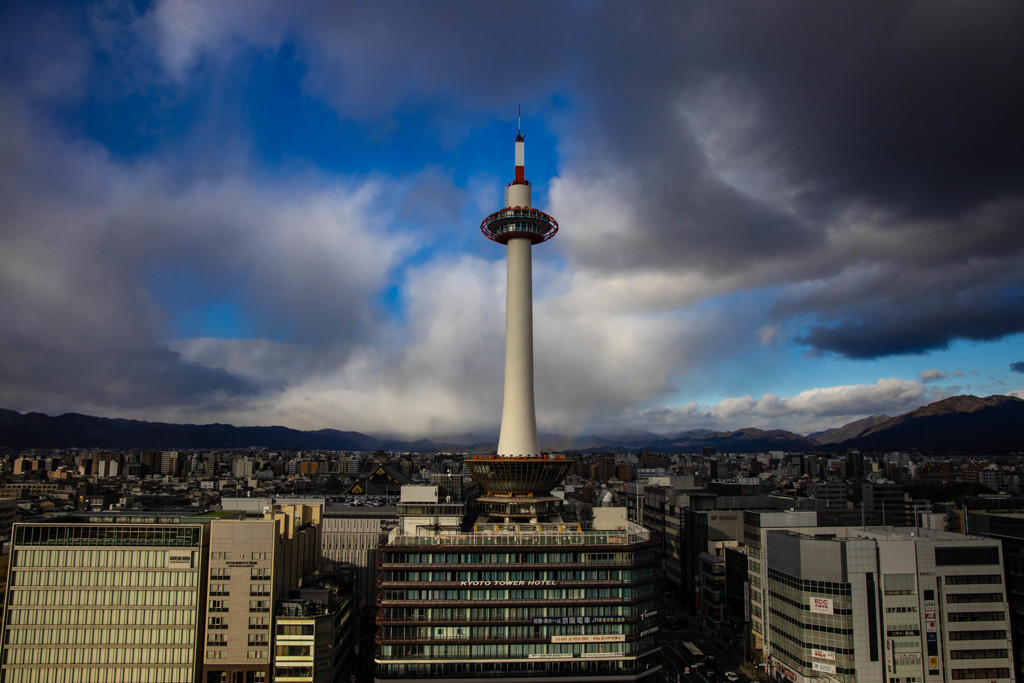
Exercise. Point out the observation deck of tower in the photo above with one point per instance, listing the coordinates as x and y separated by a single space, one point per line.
518 478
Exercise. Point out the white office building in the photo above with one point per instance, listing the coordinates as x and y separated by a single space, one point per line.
885 605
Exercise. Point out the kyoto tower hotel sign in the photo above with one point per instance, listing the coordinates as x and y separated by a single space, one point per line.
519 227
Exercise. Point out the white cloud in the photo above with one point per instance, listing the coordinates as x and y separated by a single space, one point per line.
808 411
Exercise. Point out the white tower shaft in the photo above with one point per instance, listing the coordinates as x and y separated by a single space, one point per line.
519 226
518 415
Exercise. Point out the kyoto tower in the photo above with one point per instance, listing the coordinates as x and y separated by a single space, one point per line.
519 227
518 479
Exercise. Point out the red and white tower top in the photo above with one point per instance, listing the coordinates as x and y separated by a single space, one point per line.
520 154
518 219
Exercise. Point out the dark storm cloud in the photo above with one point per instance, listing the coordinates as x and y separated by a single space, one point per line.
920 321
883 137
78 330
911 106
1017 366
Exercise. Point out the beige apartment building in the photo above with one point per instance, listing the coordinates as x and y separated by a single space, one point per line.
253 564
106 599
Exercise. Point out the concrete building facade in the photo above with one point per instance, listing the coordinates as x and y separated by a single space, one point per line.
253 564
884 605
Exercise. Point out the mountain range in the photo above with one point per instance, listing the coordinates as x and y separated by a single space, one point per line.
960 424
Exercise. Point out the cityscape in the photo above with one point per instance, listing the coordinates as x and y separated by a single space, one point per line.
252 424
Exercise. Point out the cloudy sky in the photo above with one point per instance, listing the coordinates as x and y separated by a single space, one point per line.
773 214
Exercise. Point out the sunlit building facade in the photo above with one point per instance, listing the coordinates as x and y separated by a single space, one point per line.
106 600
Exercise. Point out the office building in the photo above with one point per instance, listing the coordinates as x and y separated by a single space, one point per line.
106 599
756 525
1008 527
253 564
882 605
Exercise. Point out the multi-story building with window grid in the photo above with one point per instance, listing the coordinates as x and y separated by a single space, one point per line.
253 564
518 600
106 598
885 605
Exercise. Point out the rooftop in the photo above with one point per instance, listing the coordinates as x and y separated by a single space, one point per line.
524 535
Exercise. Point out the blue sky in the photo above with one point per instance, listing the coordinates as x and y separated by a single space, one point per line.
772 214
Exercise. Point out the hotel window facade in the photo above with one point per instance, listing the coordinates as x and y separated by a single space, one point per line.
543 603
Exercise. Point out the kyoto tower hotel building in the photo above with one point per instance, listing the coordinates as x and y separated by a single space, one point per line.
516 593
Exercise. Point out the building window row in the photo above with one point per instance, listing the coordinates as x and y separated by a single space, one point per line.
977 635
295 629
259 605
993 653
805 605
533 558
102 598
595 613
66 637
976 616
809 586
798 662
582 669
626 575
494 633
832 647
105 578
974 674
100 617
100 656
961 598
624 593
509 650
106 534
972 579
966 556
811 627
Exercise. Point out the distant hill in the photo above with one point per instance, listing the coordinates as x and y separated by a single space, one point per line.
849 431
35 430
962 424
749 440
